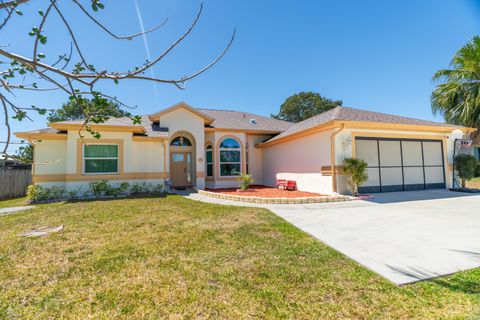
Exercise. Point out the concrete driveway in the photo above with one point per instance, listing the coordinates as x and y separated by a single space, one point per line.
403 236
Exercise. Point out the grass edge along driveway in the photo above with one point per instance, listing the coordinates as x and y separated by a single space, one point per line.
170 257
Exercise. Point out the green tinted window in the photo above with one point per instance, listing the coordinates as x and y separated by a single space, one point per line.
101 166
229 156
230 169
101 151
209 156
100 158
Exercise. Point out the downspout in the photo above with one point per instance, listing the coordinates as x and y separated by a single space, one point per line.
164 163
453 162
332 157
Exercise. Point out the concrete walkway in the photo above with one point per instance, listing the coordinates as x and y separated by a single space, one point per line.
403 236
11 210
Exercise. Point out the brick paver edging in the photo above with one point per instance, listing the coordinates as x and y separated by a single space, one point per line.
299 200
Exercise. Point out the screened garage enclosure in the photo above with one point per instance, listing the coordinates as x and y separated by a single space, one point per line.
401 164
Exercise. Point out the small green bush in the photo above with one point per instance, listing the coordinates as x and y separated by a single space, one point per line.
139 188
477 169
37 193
356 172
99 188
74 194
246 181
465 165
146 188
157 188
104 189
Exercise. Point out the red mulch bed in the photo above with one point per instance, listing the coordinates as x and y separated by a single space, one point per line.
265 192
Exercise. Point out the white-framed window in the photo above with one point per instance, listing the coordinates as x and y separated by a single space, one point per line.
100 158
230 157
209 160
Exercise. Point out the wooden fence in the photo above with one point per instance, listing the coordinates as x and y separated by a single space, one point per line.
14 182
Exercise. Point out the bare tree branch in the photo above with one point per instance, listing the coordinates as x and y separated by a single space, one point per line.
180 39
7 125
70 31
40 29
9 15
128 37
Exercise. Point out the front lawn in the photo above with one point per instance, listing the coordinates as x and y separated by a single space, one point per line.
17 202
171 257
474 183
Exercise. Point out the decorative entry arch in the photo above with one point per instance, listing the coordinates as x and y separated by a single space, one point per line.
182 146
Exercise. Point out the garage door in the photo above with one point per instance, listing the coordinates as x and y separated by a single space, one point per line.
401 164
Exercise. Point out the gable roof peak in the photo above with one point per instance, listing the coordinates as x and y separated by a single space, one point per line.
181 105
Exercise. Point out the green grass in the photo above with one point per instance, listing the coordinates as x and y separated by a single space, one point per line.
474 183
170 257
18 202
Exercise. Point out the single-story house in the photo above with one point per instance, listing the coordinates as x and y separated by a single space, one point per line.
205 148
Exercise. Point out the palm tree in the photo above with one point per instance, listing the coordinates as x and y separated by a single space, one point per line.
457 96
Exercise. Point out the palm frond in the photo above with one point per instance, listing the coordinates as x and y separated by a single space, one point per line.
457 95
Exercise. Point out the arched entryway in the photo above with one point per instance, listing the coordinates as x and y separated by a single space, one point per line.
182 159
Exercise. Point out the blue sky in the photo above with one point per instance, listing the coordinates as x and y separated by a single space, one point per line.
373 54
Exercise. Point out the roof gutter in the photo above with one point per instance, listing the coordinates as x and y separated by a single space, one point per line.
99 127
332 157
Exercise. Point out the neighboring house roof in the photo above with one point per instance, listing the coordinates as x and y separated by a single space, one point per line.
237 120
344 114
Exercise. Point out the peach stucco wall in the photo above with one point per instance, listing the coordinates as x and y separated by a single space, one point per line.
300 159
50 157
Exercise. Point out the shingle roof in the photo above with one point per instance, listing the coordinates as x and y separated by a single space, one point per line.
224 119
237 120
151 129
45 130
229 119
350 114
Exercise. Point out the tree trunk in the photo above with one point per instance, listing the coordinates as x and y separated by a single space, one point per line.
354 190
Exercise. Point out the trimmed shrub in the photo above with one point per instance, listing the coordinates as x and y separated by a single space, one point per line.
37 193
356 172
465 165
99 188
146 188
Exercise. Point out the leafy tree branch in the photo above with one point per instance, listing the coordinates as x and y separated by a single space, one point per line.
70 72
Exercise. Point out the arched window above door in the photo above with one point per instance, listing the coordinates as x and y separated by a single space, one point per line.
181 141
